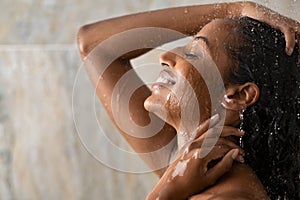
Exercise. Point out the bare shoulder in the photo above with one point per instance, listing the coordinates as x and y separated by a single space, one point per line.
240 183
228 195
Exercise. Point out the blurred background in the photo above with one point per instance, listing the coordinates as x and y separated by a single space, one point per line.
41 155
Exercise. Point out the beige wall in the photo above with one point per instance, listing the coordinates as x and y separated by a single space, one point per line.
41 156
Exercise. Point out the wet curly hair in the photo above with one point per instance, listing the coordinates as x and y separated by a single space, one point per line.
272 124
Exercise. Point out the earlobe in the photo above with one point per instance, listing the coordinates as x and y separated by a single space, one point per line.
239 97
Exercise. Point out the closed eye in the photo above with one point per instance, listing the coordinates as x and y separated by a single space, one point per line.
190 55
203 39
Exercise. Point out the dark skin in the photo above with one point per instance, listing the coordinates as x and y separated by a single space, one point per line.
236 182
187 23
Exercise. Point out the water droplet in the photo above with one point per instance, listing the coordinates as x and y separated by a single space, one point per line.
168 97
196 155
180 168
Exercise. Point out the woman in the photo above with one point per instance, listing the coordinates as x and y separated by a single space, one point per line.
188 21
256 85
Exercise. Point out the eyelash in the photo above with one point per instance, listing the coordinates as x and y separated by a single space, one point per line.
190 55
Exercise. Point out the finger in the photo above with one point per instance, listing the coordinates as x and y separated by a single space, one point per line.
298 42
295 32
206 124
297 28
203 142
290 41
213 174
232 131
231 145
286 26
209 154
210 142
223 131
214 132
210 137
213 153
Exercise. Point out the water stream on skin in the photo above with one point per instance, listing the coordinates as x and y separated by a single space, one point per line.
190 117
180 168
190 111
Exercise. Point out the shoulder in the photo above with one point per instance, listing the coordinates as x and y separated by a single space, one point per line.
239 184
231 196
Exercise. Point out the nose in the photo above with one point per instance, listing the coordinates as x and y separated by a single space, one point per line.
168 59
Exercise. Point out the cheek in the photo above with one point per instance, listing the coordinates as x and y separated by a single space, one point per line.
173 108
224 64
163 103
207 90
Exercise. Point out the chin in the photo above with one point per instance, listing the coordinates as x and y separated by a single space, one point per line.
163 109
155 106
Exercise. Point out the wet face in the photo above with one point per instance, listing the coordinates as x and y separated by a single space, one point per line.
189 79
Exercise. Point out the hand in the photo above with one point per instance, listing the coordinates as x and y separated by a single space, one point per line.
190 172
289 27
208 134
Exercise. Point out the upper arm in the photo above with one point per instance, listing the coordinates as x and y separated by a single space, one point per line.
122 94
107 62
224 196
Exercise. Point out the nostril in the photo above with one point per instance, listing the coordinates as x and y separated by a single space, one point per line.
168 59
163 64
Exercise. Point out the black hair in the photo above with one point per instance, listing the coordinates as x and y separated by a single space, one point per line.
272 124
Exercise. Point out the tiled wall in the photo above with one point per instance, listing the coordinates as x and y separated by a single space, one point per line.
41 155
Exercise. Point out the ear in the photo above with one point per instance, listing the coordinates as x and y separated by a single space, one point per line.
239 97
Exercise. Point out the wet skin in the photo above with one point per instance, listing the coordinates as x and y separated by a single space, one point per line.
186 171
187 20
211 38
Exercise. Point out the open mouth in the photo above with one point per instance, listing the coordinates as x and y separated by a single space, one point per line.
166 77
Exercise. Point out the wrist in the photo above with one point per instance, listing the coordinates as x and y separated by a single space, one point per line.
168 192
171 192
248 8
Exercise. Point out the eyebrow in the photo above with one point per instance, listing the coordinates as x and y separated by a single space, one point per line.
202 38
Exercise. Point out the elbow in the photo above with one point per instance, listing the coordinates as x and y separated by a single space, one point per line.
82 41
85 40
251 4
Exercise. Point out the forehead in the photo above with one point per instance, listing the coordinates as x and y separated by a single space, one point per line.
215 37
216 32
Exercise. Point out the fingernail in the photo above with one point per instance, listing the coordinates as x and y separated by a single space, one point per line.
242 132
242 153
289 51
235 154
241 159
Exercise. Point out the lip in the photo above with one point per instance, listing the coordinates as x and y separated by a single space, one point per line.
166 77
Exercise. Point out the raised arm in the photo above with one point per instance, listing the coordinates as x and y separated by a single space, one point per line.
187 20
105 73
289 27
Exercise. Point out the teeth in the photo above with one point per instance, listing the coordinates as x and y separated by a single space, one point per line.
164 77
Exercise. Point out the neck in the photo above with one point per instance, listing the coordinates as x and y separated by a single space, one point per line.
186 130
232 118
